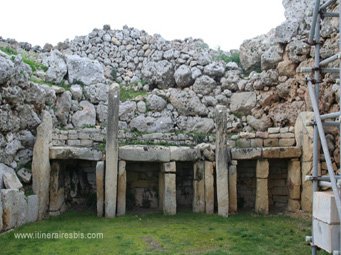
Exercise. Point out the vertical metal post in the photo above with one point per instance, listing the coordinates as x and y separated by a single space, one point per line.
316 143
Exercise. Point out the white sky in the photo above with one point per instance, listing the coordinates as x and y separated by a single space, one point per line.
224 23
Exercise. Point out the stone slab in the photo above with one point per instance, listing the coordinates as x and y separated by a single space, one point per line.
11 181
262 196
324 207
246 153
169 202
67 152
121 188
199 187
100 188
233 207
281 152
262 168
184 153
32 209
209 187
326 236
144 153
293 205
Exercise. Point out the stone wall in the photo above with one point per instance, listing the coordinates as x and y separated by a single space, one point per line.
246 184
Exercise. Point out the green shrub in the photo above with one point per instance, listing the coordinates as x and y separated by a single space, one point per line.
9 50
33 64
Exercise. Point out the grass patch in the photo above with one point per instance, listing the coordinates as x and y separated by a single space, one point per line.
129 93
185 233
233 57
8 50
34 64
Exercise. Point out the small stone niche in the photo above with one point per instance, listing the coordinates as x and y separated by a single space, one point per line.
277 185
246 184
184 185
72 185
142 193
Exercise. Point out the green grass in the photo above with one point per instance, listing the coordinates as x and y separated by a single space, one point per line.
33 64
185 233
128 94
234 57
9 50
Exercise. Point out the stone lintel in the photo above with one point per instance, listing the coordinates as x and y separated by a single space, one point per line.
66 152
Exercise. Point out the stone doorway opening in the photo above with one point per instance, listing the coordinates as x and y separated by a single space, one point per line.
277 185
246 184
142 192
184 185
72 185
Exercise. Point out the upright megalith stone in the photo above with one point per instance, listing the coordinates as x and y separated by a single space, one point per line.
112 151
57 201
100 187
262 193
209 187
121 189
222 159
32 209
169 193
233 188
1 223
41 167
199 187
14 207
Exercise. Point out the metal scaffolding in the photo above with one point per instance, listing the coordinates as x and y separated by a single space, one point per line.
321 10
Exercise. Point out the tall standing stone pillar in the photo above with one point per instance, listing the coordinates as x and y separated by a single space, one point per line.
169 191
222 158
41 167
112 151
122 187
209 187
294 185
57 201
199 187
262 193
233 187
100 188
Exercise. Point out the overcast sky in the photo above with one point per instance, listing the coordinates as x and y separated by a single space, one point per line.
223 23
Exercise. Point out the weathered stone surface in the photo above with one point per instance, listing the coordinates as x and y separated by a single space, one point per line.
63 107
32 208
271 57
199 187
246 153
145 153
222 158
243 102
41 163
304 134
160 73
183 76
306 196
262 168
281 152
14 208
84 70
293 205
111 167
294 172
65 152
57 67
76 91
1 210
155 103
86 116
151 125
196 124
24 175
121 188
261 124
215 69
187 102
11 181
6 69
204 85
184 153
4 169
169 203
96 93
100 188
127 110
262 196
56 202
209 187
286 31
161 189
233 189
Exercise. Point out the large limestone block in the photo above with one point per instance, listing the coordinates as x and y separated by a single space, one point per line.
100 188
1 223
281 152
4 169
56 190
169 203
306 196
243 102
32 209
262 168
41 163
184 153
11 181
14 208
304 134
325 207
262 196
294 172
326 236
65 152
121 188
246 153
209 187
293 205
144 153
233 189
199 187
